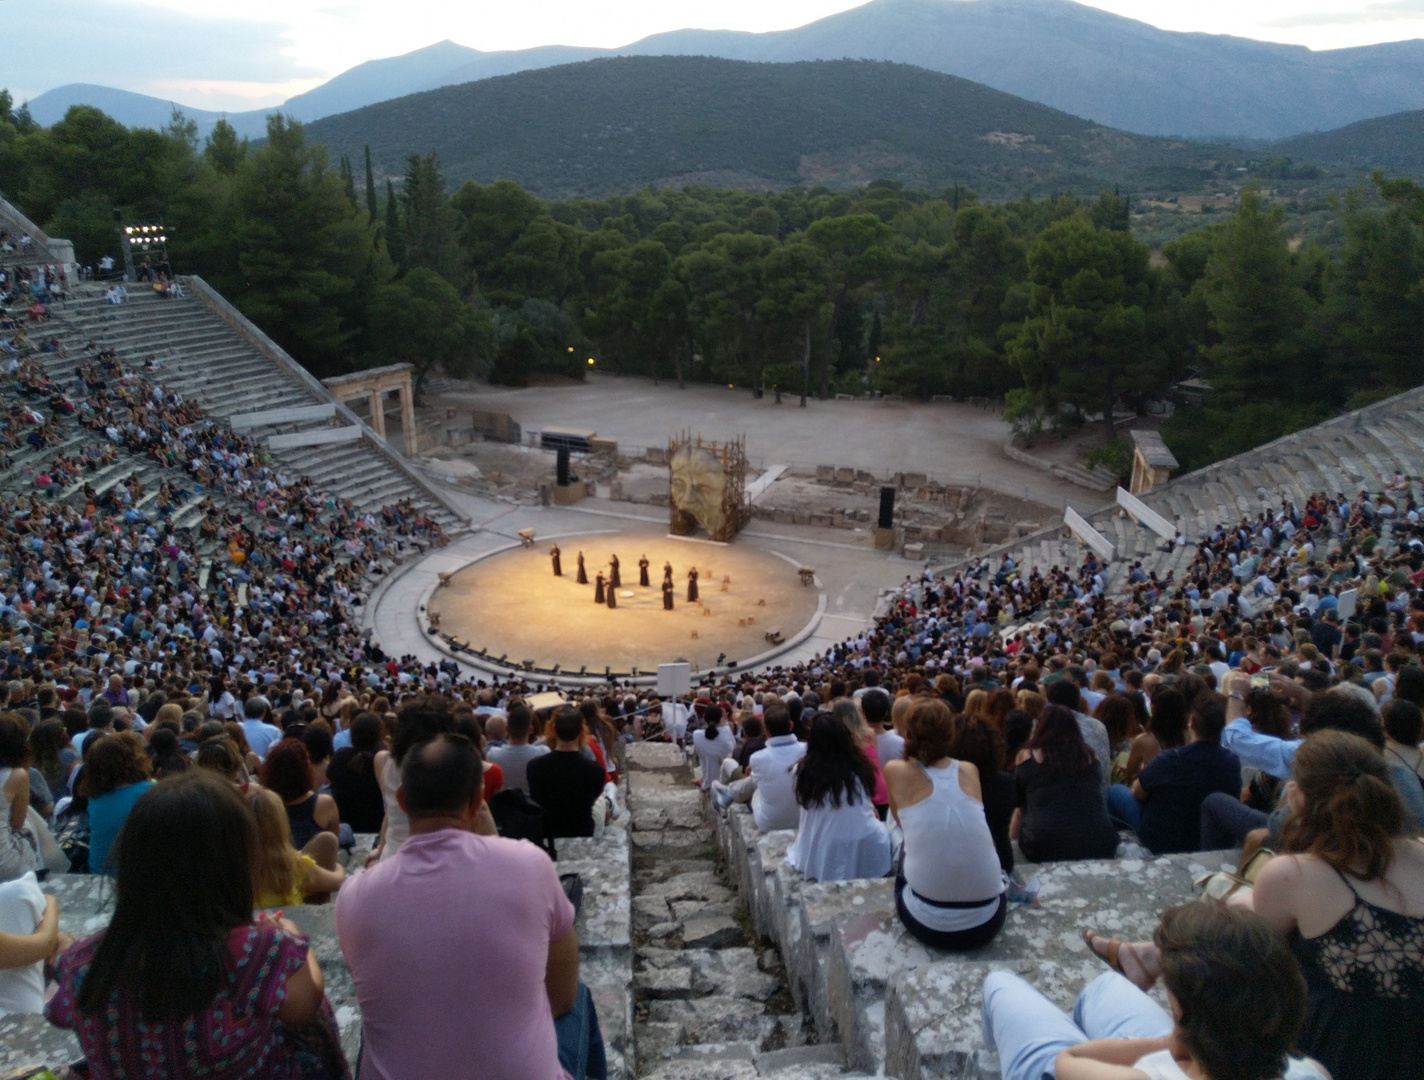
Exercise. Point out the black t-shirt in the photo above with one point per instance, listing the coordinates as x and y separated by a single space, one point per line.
1326 637
357 794
565 784
1176 782
1062 818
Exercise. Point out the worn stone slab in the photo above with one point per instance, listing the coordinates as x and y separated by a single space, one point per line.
31 1041
649 911
764 903
710 932
692 909
655 755
657 1041
805 1059
714 1019
609 978
682 839
688 885
669 815
703 1070
732 972
868 947
664 982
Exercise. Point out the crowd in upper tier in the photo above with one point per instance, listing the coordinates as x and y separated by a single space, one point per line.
182 663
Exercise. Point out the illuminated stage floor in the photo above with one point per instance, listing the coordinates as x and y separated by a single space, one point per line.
511 603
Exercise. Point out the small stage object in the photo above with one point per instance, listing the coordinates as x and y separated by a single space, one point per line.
808 575
774 636
707 487
526 537
444 576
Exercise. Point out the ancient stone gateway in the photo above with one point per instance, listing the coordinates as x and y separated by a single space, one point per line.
374 384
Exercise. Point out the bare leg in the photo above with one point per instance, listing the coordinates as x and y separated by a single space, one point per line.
1255 840
1138 961
322 849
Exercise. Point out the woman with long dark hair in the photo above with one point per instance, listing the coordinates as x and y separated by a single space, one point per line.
183 982
1061 813
1167 730
352 774
839 835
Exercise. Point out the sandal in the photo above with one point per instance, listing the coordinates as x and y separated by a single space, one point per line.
1113 957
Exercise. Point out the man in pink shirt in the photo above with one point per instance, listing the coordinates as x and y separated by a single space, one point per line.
462 946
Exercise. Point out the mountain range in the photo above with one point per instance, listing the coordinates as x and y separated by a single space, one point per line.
1112 70
615 125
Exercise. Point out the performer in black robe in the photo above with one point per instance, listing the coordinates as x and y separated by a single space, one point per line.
643 571
667 595
612 596
692 586
598 597
614 580
667 572
582 573
554 557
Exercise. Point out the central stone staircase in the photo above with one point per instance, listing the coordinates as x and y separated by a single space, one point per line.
710 1002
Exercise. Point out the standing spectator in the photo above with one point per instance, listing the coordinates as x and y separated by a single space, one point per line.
565 782
1061 814
184 982
462 947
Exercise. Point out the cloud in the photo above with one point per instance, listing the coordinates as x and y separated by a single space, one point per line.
1387 11
138 46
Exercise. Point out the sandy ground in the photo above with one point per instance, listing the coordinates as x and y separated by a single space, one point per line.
954 443
511 602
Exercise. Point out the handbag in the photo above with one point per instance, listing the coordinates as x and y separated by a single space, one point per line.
1223 885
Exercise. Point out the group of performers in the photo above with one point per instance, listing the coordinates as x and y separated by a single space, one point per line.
606 587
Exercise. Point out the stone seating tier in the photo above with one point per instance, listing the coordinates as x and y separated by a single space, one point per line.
897 1005
605 952
205 360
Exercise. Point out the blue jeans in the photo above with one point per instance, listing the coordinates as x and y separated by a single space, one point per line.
1029 1031
580 1040
1123 807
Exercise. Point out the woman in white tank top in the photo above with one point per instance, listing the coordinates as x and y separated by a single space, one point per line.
949 892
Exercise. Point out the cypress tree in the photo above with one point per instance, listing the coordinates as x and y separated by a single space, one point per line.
349 180
370 187
393 235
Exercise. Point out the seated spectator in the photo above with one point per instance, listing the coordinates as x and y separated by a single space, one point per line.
419 720
184 982
949 892
257 726
875 703
316 737
29 937
1403 729
116 773
462 947
313 820
284 875
167 757
352 774
1065 693
1060 811
848 713
17 841
1347 894
1237 1002
1163 806
219 754
977 741
1166 729
52 753
514 757
564 782
712 742
838 835
771 784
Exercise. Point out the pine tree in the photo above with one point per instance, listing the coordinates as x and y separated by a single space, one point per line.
371 208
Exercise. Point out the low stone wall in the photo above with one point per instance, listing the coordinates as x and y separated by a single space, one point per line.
895 1004
605 953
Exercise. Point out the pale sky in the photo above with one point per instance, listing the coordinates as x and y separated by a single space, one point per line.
223 56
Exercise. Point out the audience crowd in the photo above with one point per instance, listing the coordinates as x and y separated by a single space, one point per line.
189 708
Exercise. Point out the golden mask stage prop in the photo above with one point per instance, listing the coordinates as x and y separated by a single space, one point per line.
707 487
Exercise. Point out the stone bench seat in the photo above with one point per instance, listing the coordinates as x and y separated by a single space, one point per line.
892 1002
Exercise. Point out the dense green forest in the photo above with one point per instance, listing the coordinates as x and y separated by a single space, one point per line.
1050 303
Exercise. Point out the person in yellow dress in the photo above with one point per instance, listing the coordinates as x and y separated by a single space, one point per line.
283 874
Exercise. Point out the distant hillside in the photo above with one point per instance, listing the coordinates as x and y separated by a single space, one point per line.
617 125
131 110
1394 143
1085 61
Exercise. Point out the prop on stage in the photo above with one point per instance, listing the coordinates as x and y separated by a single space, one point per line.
707 487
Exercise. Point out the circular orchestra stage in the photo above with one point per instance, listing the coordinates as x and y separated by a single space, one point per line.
510 604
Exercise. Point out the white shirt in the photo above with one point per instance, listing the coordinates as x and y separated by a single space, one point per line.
773 769
890 746
710 752
22 906
1162 1066
261 736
